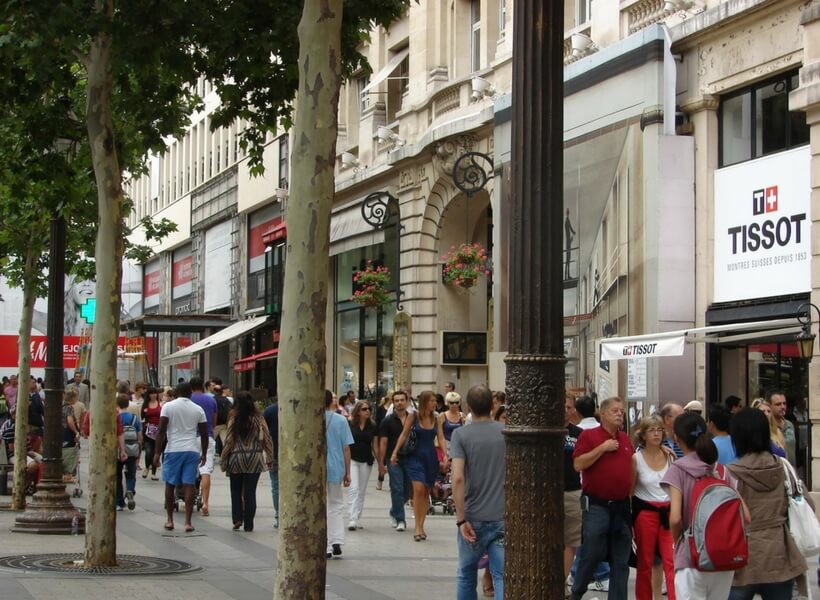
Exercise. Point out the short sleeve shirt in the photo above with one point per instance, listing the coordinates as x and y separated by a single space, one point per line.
69 440
609 477
338 436
184 418
390 428
207 403
572 478
482 447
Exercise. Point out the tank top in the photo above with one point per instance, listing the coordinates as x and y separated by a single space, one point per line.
449 427
647 485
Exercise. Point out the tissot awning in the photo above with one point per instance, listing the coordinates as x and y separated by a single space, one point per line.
349 230
672 343
220 337
391 65
249 362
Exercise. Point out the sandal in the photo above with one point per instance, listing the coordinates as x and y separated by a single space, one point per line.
205 512
417 538
169 526
189 528
489 592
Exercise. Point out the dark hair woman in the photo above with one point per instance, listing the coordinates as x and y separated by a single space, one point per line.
774 560
248 451
362 455
698 461
149 415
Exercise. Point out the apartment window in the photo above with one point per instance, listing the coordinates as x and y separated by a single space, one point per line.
404 76
582 11
284 166
756 121
363 97
502 17
475 35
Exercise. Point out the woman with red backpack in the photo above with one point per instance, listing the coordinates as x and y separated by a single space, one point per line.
774 560
685 481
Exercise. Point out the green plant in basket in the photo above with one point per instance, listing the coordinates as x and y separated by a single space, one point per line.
371 285
463 265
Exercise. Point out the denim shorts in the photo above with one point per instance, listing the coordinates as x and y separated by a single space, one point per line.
180 468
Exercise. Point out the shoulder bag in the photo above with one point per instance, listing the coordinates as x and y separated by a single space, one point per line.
802 521
410 443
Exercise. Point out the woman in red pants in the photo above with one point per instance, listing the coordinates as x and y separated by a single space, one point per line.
650 508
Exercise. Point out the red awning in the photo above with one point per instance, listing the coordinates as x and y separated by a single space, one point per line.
249 362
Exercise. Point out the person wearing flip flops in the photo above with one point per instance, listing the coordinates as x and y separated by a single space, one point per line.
182 441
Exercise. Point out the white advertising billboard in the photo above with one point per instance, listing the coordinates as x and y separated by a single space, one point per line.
217 266
763 227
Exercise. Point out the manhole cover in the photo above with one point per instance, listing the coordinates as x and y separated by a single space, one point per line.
127 564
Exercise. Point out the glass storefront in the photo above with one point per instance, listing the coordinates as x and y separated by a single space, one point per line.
363 336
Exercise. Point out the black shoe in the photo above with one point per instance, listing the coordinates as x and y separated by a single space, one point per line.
337 549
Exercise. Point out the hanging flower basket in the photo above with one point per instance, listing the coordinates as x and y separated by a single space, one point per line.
371 286
463 265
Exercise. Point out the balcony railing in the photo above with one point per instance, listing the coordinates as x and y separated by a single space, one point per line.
643 13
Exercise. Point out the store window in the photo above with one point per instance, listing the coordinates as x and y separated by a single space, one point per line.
757 121
364 336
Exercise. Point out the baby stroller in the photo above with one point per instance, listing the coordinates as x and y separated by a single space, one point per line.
441 495
179 495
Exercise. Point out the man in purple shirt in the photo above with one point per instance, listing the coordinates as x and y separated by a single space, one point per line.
208 404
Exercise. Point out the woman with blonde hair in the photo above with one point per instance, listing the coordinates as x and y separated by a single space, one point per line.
650 507
778 444
422 462
453 418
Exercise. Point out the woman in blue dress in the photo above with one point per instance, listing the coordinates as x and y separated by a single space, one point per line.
422 464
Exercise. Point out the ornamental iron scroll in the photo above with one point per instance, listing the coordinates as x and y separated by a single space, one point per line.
377 209
470 174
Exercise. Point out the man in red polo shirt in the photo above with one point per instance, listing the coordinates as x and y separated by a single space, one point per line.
603 456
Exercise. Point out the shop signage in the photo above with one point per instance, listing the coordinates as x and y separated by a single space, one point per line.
402 350
636 376
762 227
661 346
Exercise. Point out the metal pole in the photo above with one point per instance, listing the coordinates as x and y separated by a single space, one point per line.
50 510
535 364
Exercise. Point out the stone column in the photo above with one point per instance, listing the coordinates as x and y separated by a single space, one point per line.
703 117
807 98
534 515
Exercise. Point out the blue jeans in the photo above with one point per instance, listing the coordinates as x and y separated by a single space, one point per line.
400 489
607 533
274 488
130 468
489 539
601 571
768 591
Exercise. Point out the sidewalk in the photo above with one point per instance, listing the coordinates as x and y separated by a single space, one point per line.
378 563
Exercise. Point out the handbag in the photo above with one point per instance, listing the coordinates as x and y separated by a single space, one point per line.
803 523
410 443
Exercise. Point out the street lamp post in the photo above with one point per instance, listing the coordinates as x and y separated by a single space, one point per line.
377 209
535 364
50 510
805 339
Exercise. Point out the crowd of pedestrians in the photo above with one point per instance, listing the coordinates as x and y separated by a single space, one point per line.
643 501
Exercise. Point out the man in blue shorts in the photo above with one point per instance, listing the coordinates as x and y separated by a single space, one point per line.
182 440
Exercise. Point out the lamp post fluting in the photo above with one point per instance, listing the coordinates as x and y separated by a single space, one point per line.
535 363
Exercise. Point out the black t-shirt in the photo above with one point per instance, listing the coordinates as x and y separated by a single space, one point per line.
362 448
390 428
36 411
572 478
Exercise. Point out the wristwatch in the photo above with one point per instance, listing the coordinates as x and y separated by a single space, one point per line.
460 523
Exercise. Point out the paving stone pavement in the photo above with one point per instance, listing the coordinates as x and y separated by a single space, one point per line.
378 563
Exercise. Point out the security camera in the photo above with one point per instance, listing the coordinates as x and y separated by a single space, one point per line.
385 134
481 87
581 44
349 160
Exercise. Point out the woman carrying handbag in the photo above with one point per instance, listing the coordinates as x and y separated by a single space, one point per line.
247 453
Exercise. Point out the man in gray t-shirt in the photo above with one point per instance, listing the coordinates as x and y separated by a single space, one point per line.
478 452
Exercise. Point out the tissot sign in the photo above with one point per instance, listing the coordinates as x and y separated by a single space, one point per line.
763 227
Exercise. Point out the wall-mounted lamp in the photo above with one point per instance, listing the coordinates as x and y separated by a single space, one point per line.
582 45
805 339
385 134
481 87
350 160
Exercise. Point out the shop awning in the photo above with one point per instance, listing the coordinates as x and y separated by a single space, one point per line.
672 343
219 338
349 230
249 362
391 66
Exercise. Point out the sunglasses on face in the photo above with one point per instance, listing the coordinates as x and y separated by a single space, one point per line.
456 402
366 408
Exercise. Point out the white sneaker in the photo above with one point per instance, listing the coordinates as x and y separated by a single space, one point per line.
276 522
601 585
351 526
393 522
401 526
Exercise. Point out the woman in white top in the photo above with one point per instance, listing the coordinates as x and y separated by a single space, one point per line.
650 508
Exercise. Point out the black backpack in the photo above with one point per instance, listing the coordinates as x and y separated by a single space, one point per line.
223 405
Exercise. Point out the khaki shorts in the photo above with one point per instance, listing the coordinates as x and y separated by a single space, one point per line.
572 519
69 460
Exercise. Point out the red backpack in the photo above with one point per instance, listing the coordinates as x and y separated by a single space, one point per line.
717 531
